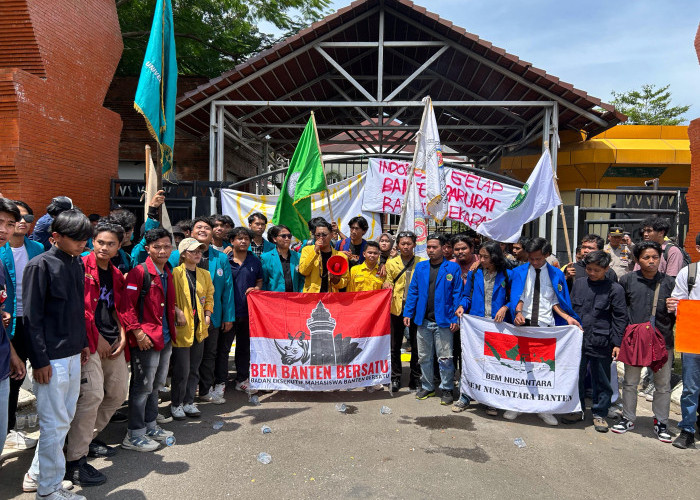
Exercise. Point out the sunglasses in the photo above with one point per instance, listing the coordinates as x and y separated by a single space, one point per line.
285 236
28 218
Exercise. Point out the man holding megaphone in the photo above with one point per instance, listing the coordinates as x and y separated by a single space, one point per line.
325 268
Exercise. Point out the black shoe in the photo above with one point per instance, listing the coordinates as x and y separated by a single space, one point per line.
100 449
424 394
412 385
82 473
446 398
661 431
395 385
119 417
685 440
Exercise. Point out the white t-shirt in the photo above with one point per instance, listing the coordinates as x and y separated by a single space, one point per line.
21 257
681 289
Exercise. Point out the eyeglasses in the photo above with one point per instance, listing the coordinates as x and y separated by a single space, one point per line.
28 218
285 236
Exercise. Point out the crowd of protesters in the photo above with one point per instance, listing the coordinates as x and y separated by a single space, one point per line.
85 302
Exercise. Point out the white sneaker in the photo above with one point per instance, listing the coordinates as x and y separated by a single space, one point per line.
211 397
18 440
375 388
61 494
158 434
29 484
177 412
548 418
191 410
510 414
162 419
219 390
245 387
139 443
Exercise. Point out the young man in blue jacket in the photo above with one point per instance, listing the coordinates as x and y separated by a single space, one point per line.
539 297
433 297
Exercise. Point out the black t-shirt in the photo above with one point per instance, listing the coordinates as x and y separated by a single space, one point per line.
355 250
324 270
204 263
287 272
104 314
430 306
192 283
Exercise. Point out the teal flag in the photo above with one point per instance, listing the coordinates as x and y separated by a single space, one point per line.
157 90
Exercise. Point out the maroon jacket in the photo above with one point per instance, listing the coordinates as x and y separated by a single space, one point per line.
643 345
92 295
154 304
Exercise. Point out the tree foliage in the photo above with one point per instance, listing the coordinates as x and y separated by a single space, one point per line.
212 36
649 106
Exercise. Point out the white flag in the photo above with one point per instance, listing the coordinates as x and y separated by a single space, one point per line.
429 159
413 216
538 196
151 190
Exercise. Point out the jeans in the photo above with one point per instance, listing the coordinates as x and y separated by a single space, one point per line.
55 404
434 340
19 343
397 330
662 395
185 374
149 369
691 392
600 382
4 396
242 349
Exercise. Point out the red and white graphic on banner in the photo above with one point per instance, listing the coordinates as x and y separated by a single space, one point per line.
319 341
471 199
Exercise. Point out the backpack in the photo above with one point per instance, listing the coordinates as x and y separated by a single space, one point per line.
145 287
692 271
686 257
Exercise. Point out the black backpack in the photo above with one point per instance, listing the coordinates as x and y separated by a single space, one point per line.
686 258
692 271
145 287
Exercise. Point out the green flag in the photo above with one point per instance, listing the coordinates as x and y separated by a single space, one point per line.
157 89
304 178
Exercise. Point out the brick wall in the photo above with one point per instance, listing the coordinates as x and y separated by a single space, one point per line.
694 190
56 137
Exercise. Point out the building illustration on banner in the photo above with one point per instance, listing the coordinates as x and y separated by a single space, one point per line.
322 348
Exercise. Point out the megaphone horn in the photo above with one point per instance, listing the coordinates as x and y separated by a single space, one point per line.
337 265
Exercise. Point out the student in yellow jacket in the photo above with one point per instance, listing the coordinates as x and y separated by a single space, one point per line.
194 299
364 277
314 260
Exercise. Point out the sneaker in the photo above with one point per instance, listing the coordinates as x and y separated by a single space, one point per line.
573 418
158 434
395 385
219 390
648 391
99 449
662 433
685 440
424 394
18 440
599 424
446 399
615 411
211 397
61 494
622 426
82 473
29 484
491 411
177 412
511 415
460 405
139 443
162 419
373 388
191 410
245 387
548 418
412 385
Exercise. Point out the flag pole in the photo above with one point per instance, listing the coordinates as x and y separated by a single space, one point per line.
318 143
561 208
413 168
159 180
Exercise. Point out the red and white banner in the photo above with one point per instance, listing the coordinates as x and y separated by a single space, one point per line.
471 199
319 341
526 369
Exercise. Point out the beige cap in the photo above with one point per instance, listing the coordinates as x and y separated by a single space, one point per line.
190 244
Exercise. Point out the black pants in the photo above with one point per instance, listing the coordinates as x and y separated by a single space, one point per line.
223 349
19 343
185 362
206 367
242 349
397 329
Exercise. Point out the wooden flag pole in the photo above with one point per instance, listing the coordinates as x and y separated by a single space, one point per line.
328 194
159 180
561 208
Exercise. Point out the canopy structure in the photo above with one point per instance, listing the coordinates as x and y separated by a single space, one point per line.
364 70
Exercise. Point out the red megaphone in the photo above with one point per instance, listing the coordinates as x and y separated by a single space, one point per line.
337 265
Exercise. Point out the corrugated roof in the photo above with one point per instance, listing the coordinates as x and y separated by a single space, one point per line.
470 69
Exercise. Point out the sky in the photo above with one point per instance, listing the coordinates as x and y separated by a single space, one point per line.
598 46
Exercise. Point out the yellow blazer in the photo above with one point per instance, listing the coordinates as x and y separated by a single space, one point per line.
394 266
183 300
362 279
310 265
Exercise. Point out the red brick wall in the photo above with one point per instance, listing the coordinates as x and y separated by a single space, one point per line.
694 189
57 138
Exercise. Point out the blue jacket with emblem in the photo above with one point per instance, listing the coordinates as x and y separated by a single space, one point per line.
273 276
34 248
448 292
473 299
517 288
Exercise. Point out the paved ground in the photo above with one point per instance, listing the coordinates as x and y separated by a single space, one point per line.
421 450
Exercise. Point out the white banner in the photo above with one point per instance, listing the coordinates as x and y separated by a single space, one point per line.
346 197
471 199
525 369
